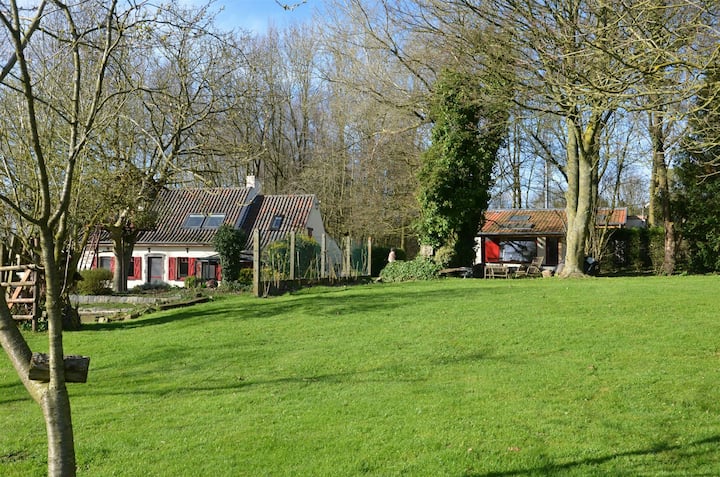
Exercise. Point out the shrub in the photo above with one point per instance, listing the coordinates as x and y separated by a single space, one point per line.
379 257
95 282
245 277
152 287
192 282
420 268
233 286
229 243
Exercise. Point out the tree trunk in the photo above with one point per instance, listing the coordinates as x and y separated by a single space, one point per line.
55 401
660 210
577 207
123 239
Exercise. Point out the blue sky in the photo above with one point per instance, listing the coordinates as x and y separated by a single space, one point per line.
255 15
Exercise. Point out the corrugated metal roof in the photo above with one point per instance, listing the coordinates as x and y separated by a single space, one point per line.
545 222
174 206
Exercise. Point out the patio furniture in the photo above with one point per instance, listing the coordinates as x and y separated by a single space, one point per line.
496 270
532 270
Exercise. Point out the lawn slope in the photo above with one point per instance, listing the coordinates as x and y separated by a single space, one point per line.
451 378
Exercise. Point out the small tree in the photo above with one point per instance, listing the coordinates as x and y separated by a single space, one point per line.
229 243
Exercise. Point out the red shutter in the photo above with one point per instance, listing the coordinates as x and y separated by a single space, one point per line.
192 272
94 262
137 267
172 268
492 251
112 264
218 272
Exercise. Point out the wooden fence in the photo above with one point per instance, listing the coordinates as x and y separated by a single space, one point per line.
22 283
268 280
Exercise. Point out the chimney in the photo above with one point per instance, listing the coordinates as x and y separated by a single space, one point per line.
252 182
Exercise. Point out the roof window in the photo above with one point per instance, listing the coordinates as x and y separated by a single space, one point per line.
214 221
194 221
201 221
276 222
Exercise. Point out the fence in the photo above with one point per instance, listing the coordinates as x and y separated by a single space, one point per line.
294 261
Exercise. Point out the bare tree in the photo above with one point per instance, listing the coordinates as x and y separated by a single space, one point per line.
165 132
56 71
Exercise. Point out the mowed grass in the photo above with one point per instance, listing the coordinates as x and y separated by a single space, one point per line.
593 377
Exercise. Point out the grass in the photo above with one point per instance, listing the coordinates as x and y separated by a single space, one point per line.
459 377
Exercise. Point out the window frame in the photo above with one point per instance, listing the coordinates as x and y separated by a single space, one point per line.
277 222
190 220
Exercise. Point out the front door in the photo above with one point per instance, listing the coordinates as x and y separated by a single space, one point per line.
155 269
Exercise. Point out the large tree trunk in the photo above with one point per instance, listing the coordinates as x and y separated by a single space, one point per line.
123 238
660 210
578 202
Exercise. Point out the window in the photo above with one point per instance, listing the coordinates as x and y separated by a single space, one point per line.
213 221
276 222
520 218
194 221
209 269
183 267
130 269
518 251
197 221
155 269
105 262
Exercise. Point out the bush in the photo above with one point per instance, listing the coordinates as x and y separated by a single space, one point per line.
151 287
379 257
192 282
95 282
419 269
234 286
245 277
229 243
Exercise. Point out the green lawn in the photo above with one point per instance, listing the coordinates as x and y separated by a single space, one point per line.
598 377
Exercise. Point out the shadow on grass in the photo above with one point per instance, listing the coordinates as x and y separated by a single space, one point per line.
380 375
556 469
334 301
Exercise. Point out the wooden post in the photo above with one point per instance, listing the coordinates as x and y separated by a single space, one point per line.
256 262
369 257
346 261
323 256
292 256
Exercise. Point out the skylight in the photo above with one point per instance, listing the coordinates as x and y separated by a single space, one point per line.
201 221
276 222
214 221
194 221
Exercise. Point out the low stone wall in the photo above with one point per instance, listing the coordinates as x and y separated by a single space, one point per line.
129 299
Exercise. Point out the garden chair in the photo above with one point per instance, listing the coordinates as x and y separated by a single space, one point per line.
532 270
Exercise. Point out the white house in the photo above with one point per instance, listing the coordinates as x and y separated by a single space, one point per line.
181 243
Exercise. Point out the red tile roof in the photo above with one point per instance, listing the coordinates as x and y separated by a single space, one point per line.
544 222
175 205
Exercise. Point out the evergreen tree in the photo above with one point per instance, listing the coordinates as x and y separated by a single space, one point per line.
229 243
456 173
698 181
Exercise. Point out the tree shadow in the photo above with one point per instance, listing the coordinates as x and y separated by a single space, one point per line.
553 469
335 301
